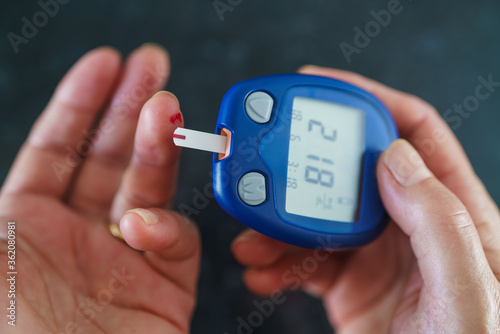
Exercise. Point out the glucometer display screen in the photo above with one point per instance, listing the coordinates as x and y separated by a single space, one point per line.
327 142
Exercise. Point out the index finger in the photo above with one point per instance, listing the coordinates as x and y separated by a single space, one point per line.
151 177
421 124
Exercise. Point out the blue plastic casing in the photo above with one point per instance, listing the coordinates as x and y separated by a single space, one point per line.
264 148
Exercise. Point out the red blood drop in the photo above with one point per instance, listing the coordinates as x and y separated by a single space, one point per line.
176 119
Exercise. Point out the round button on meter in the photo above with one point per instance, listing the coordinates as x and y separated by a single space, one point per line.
252 188
259 106
296 159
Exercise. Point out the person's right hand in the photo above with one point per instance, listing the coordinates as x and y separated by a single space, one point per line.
436 268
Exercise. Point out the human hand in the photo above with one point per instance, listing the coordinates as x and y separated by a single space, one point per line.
73 276
436 268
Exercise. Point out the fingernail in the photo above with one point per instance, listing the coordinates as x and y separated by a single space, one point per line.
245 236
154 45
163 92
405 163
115 230
147 216
307 66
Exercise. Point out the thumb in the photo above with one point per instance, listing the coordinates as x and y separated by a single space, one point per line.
171 243
442 234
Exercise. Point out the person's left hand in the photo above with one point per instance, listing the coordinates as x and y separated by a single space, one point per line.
73 276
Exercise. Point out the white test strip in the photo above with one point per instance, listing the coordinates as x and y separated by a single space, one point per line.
200 140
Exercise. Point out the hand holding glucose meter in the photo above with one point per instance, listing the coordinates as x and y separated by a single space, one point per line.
296 157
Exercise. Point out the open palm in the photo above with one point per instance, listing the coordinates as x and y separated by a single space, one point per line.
81 170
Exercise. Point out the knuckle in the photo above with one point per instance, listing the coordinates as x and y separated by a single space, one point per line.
447 208
458 221
155 155
111 158
143 199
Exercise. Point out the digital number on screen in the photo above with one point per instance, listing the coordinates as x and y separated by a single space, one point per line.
327 143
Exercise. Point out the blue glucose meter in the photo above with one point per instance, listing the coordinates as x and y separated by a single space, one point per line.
299 159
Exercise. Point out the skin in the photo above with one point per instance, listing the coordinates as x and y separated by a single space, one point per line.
73 275
435 268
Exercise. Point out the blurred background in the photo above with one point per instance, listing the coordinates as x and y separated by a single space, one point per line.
436 50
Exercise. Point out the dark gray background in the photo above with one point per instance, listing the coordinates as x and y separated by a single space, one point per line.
434 49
